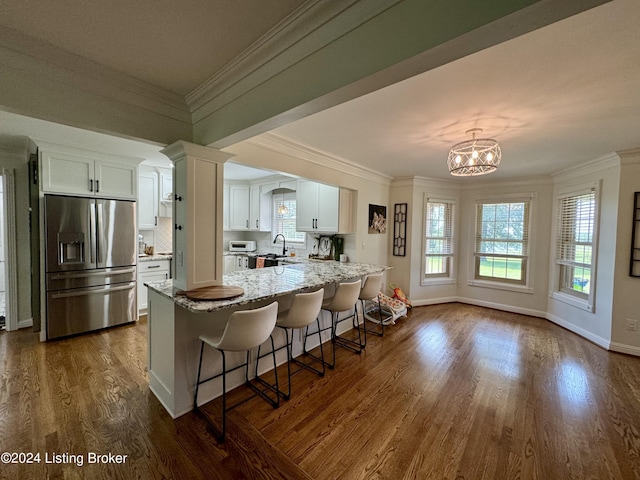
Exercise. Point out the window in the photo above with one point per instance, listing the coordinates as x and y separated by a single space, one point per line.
285 223
502 241
574 242
438 238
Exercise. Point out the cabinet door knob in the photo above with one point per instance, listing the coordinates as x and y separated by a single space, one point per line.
178 198
91 185
178 227
97 186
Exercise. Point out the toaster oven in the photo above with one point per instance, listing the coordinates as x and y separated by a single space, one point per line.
242 246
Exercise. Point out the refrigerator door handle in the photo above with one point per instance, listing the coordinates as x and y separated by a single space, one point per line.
92 232
80 293
99 229
66 276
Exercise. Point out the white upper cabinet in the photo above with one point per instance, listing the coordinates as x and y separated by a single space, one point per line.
166 192
260 208
247 207
77 172
318 207
147 199
238 207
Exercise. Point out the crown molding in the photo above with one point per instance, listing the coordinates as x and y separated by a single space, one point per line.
425 182
279 143
629 157
309 28
181 149
592 166
541 180
34 57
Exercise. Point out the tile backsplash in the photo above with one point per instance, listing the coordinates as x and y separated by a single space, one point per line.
161 237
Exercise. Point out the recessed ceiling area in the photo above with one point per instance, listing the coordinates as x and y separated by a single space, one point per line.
553 98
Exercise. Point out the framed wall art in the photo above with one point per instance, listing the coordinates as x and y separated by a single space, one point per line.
377 219
400 229
634 267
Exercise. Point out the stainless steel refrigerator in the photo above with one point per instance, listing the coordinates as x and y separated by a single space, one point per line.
90 264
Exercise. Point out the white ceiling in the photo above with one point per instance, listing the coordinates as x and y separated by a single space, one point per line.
561 95
554 98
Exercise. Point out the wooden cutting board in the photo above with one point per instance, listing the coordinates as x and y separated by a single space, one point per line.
220 292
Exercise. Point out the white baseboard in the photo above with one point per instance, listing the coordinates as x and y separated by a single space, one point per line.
622 348
501 306
433 301
25 323
597 339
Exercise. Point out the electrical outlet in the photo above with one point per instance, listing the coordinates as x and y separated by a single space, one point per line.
632 324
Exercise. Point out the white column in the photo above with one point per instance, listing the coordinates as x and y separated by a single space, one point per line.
197 214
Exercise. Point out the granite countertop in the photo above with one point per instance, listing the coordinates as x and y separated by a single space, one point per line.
265 283
157 256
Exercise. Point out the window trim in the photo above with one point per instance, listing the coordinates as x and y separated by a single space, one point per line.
443 278
497 283
564 295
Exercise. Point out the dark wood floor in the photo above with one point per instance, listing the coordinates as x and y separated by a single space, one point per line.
453 391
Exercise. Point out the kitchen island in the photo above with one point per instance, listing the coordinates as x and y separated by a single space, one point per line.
176 322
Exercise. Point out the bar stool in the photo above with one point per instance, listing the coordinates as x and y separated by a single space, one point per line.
344 300
369 291
305 308
245 330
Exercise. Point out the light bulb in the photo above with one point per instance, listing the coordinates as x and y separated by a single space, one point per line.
489 156
471 162
458 159
475 154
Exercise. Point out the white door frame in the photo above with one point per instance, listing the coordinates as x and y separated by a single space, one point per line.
10 254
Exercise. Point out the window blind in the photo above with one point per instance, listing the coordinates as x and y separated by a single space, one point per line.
576 223
439 228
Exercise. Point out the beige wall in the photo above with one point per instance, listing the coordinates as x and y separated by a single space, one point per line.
594 325
626 289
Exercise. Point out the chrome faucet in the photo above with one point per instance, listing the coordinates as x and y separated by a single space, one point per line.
284 243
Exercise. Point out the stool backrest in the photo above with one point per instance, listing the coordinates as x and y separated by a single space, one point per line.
247 329
346 297
371 287
305 308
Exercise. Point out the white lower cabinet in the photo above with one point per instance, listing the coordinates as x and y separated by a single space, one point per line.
151 271
234 263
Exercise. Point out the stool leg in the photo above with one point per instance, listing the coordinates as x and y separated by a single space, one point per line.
321 351
289 354
381 332
310 355
356 346
275 372
224 395
274 403
195 397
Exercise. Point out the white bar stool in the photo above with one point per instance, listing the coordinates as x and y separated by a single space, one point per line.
344 300
369 292
304 310
245 330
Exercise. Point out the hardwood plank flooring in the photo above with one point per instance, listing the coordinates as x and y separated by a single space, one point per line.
453 391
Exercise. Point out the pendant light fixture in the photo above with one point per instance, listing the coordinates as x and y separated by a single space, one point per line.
477 156
282 208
